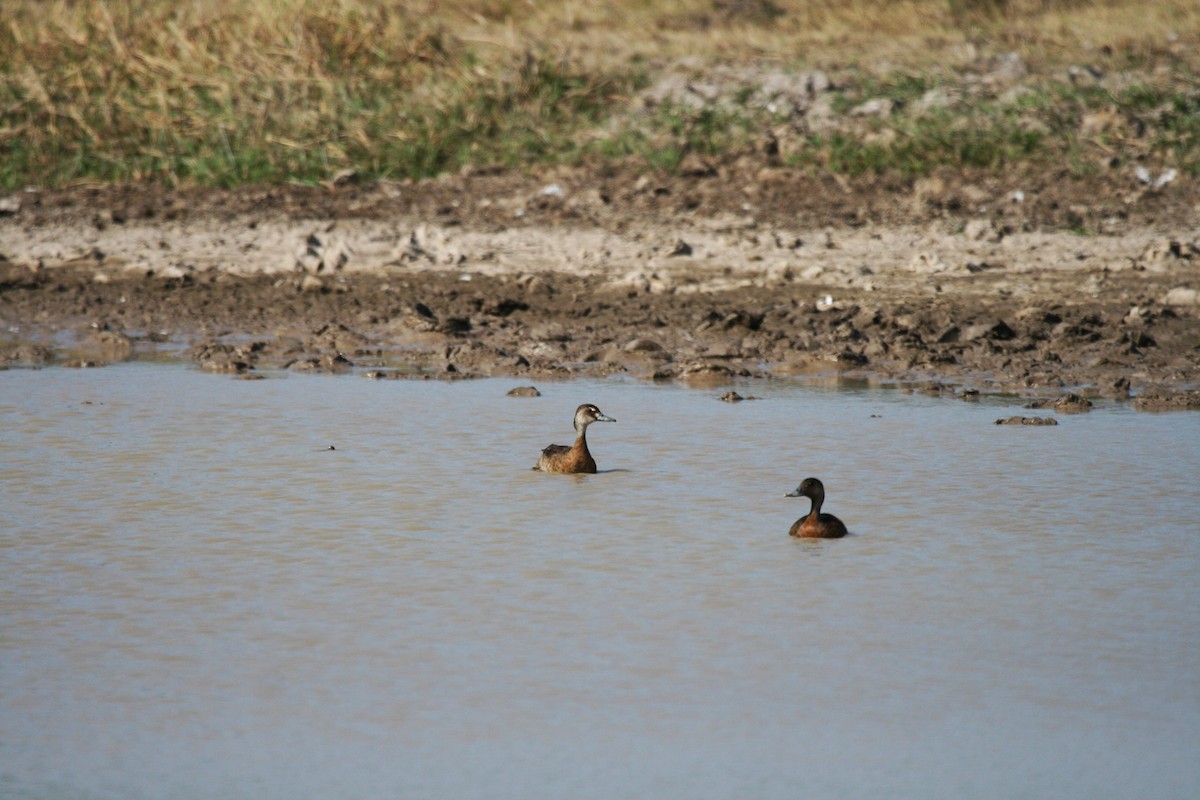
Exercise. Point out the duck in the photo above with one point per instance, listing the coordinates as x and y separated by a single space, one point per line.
814 524
574 459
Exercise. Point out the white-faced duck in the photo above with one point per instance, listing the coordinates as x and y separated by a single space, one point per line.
576 458
814 524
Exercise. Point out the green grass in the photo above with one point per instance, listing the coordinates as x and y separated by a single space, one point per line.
664 139
1048 123
293 130
298 90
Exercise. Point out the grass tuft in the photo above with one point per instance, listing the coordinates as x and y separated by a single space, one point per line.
238 91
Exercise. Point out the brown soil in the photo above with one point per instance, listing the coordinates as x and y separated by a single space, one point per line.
1021 282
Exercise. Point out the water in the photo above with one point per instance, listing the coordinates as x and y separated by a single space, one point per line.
199 600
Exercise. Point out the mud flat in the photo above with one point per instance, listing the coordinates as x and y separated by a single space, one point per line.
731 270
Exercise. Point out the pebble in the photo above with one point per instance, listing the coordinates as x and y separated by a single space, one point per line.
1027 421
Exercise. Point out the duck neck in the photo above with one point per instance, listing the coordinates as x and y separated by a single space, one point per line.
815 511
581 438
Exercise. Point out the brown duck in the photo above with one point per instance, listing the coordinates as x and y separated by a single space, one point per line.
814 524
576 458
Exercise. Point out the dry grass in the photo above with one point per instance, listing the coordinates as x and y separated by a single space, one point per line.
870 34
236 91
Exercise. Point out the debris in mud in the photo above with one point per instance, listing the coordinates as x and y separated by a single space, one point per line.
908 293
703 374
1069 403
1164 178
223 364
679 248
1167 400
21 353
108 346
322 252
1182 296
325 363
1027 421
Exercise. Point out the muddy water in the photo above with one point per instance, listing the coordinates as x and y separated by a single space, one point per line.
201 600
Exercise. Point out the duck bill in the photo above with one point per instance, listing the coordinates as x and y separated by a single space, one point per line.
604 418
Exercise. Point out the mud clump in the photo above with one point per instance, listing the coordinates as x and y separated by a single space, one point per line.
524 391
1069 403
392 284
1166 400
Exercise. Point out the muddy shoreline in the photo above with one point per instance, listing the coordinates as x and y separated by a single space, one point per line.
957 283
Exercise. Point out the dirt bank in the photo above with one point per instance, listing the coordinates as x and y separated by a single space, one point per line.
728 269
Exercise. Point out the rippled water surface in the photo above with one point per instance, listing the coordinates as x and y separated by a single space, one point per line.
199 600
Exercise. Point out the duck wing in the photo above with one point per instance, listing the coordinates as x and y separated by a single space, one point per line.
551 456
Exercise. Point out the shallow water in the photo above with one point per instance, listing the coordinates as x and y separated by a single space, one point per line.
200 600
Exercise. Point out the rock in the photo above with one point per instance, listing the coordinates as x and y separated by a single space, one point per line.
1144 176
326 363
1119 388
1072 403
1138 316
223 364
706 374
1182 296
640 345
694 165
345 177
1027 421
505 307
680 248
179 272
12 353
995 330
1088 75
111 346
723 350
1157 256
850 358
1068 403
1167 400
322 253
936 99
979 230
875 107
1005 69
949 335
927 263
931 189
524 391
